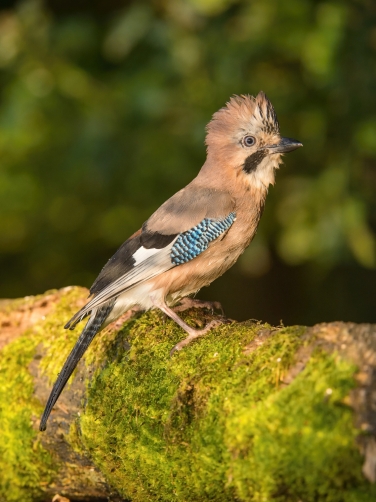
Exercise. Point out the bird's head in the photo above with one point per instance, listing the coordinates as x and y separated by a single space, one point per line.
244 136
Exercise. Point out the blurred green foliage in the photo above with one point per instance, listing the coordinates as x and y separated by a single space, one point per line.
102 117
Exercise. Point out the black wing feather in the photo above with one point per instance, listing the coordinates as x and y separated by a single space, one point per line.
119 264
122 261
154 240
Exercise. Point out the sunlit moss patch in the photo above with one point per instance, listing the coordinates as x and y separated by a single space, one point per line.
215 422
26 468
24 464
221 420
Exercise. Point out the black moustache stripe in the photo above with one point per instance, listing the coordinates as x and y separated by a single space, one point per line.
251 162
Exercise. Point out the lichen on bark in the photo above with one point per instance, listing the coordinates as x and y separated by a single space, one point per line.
250 412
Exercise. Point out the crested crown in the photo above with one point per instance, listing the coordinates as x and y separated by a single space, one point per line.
243 113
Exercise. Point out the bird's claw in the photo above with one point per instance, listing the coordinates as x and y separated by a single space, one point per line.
196 334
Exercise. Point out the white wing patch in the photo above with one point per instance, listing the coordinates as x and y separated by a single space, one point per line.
142 254
152 265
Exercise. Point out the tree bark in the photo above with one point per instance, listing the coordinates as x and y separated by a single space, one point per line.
248 412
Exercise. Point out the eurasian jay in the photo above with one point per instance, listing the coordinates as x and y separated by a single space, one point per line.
196 235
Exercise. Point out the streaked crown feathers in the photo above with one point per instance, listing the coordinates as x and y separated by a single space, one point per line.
243 114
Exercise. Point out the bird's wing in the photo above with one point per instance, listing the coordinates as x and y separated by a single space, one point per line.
187 208
142 265
177 232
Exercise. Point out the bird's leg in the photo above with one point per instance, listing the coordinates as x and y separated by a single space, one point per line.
188 303
192 333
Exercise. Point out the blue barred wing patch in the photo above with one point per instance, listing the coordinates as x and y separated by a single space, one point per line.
191 243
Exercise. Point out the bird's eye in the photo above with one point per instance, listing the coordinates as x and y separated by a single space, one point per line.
249 140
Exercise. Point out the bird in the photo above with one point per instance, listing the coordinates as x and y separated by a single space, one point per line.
196 235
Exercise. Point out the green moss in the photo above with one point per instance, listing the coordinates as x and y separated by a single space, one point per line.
298 443
57 341
215 423
24 464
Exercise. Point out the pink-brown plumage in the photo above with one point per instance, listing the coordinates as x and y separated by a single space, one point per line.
221 254
197 234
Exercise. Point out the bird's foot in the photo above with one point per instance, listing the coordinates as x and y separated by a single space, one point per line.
193 334
188 303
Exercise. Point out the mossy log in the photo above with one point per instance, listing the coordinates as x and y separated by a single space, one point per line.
249 412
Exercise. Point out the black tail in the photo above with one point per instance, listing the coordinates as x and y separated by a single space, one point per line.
91 329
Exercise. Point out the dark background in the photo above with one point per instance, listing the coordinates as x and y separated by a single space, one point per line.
103 106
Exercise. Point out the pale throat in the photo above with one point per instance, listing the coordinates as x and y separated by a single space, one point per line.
264 175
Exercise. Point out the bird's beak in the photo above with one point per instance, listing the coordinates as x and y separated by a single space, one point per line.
284 146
